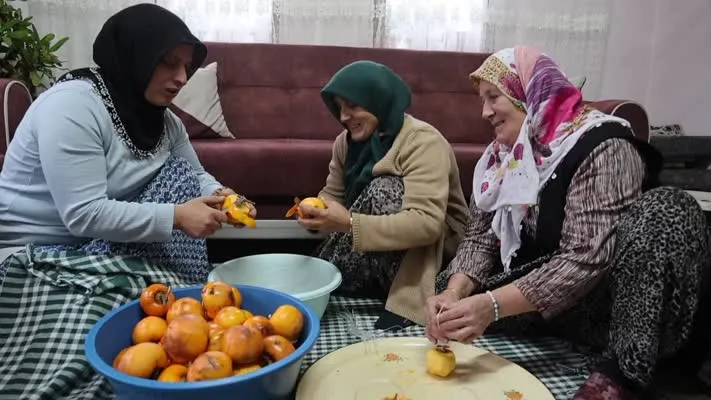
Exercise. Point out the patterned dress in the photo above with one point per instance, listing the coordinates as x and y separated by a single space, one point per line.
367 274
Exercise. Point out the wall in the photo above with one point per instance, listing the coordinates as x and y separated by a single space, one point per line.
659 54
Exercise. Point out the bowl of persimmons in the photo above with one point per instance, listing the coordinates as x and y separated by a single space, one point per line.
212 340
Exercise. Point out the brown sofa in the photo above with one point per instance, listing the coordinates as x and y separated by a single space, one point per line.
270 99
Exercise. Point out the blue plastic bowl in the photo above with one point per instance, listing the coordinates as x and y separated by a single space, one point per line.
276 381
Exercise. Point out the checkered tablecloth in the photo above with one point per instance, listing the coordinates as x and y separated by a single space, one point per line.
552 361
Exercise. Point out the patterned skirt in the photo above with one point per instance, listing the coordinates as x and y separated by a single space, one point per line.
648 308
367 273
175 183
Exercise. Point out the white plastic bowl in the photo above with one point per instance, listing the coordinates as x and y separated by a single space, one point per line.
309 279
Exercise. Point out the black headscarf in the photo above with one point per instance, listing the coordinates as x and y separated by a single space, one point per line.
127 51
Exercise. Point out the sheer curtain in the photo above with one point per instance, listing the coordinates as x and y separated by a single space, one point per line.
575 33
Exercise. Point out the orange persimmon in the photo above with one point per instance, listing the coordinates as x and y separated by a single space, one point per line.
143 359
218 295
244 345
149 329
232 316
186 338
174 373
210 365
247 368
184 305
238 209
287 321
156 300
277 347
260 323
315 202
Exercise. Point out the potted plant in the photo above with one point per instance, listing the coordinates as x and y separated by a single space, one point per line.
24 55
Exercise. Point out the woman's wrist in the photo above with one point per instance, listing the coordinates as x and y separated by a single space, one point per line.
177 216
462 284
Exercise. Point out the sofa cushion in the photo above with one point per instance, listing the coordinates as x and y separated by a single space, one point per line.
198 105
267 167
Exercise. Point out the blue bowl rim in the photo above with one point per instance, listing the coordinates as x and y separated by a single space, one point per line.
110 373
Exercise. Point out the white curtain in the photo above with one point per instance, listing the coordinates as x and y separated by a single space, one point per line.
574 33
80 20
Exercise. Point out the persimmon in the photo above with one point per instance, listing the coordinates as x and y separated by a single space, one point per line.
184 305
247 368
210 365
232 316
238 208
260 323
277 347
143 359
287 321
156 300
244 345
118 357
214 336
315 202
174 373
186 338
218 295
149 329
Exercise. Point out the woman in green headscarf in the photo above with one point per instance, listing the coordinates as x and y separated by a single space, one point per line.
396 210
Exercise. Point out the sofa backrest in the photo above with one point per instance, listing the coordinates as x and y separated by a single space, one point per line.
271 91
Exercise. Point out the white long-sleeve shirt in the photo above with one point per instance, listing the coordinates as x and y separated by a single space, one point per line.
67 176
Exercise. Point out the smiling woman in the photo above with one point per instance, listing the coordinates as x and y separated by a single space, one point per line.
395 204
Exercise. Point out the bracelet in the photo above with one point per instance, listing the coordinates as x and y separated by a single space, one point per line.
497 313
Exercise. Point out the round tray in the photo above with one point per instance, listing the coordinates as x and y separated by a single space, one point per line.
379 369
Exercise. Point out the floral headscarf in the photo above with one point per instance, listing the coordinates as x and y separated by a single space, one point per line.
508 180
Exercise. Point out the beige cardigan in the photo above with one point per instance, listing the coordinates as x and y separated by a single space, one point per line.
432 220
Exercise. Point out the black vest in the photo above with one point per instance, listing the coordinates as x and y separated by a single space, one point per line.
553 196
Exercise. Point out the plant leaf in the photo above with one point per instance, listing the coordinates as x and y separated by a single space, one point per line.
35 78
56 46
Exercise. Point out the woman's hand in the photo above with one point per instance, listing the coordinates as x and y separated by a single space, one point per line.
334 218
467 319
436 305
198 217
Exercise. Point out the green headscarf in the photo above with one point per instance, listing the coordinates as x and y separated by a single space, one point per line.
382 93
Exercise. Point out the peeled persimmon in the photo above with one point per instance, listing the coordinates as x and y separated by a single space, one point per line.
156 300
186 338
143 359
260 323
245 369
232 316
440 362
277 347
244 345
218 295
238 209
149 329
210 365
315 202
184 305
287 321
174 373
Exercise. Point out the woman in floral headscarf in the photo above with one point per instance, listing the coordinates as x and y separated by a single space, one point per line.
570 232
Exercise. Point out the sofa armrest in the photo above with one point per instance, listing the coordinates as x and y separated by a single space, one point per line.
15 99
629 110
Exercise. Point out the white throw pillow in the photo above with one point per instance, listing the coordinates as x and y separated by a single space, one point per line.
200 100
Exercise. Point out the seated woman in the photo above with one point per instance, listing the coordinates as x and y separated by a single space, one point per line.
571 233
98 162
100 167
395 202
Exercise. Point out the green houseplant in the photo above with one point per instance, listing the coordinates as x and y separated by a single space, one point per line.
24 55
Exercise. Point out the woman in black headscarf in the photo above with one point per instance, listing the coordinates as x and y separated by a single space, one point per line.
102 151
101 167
